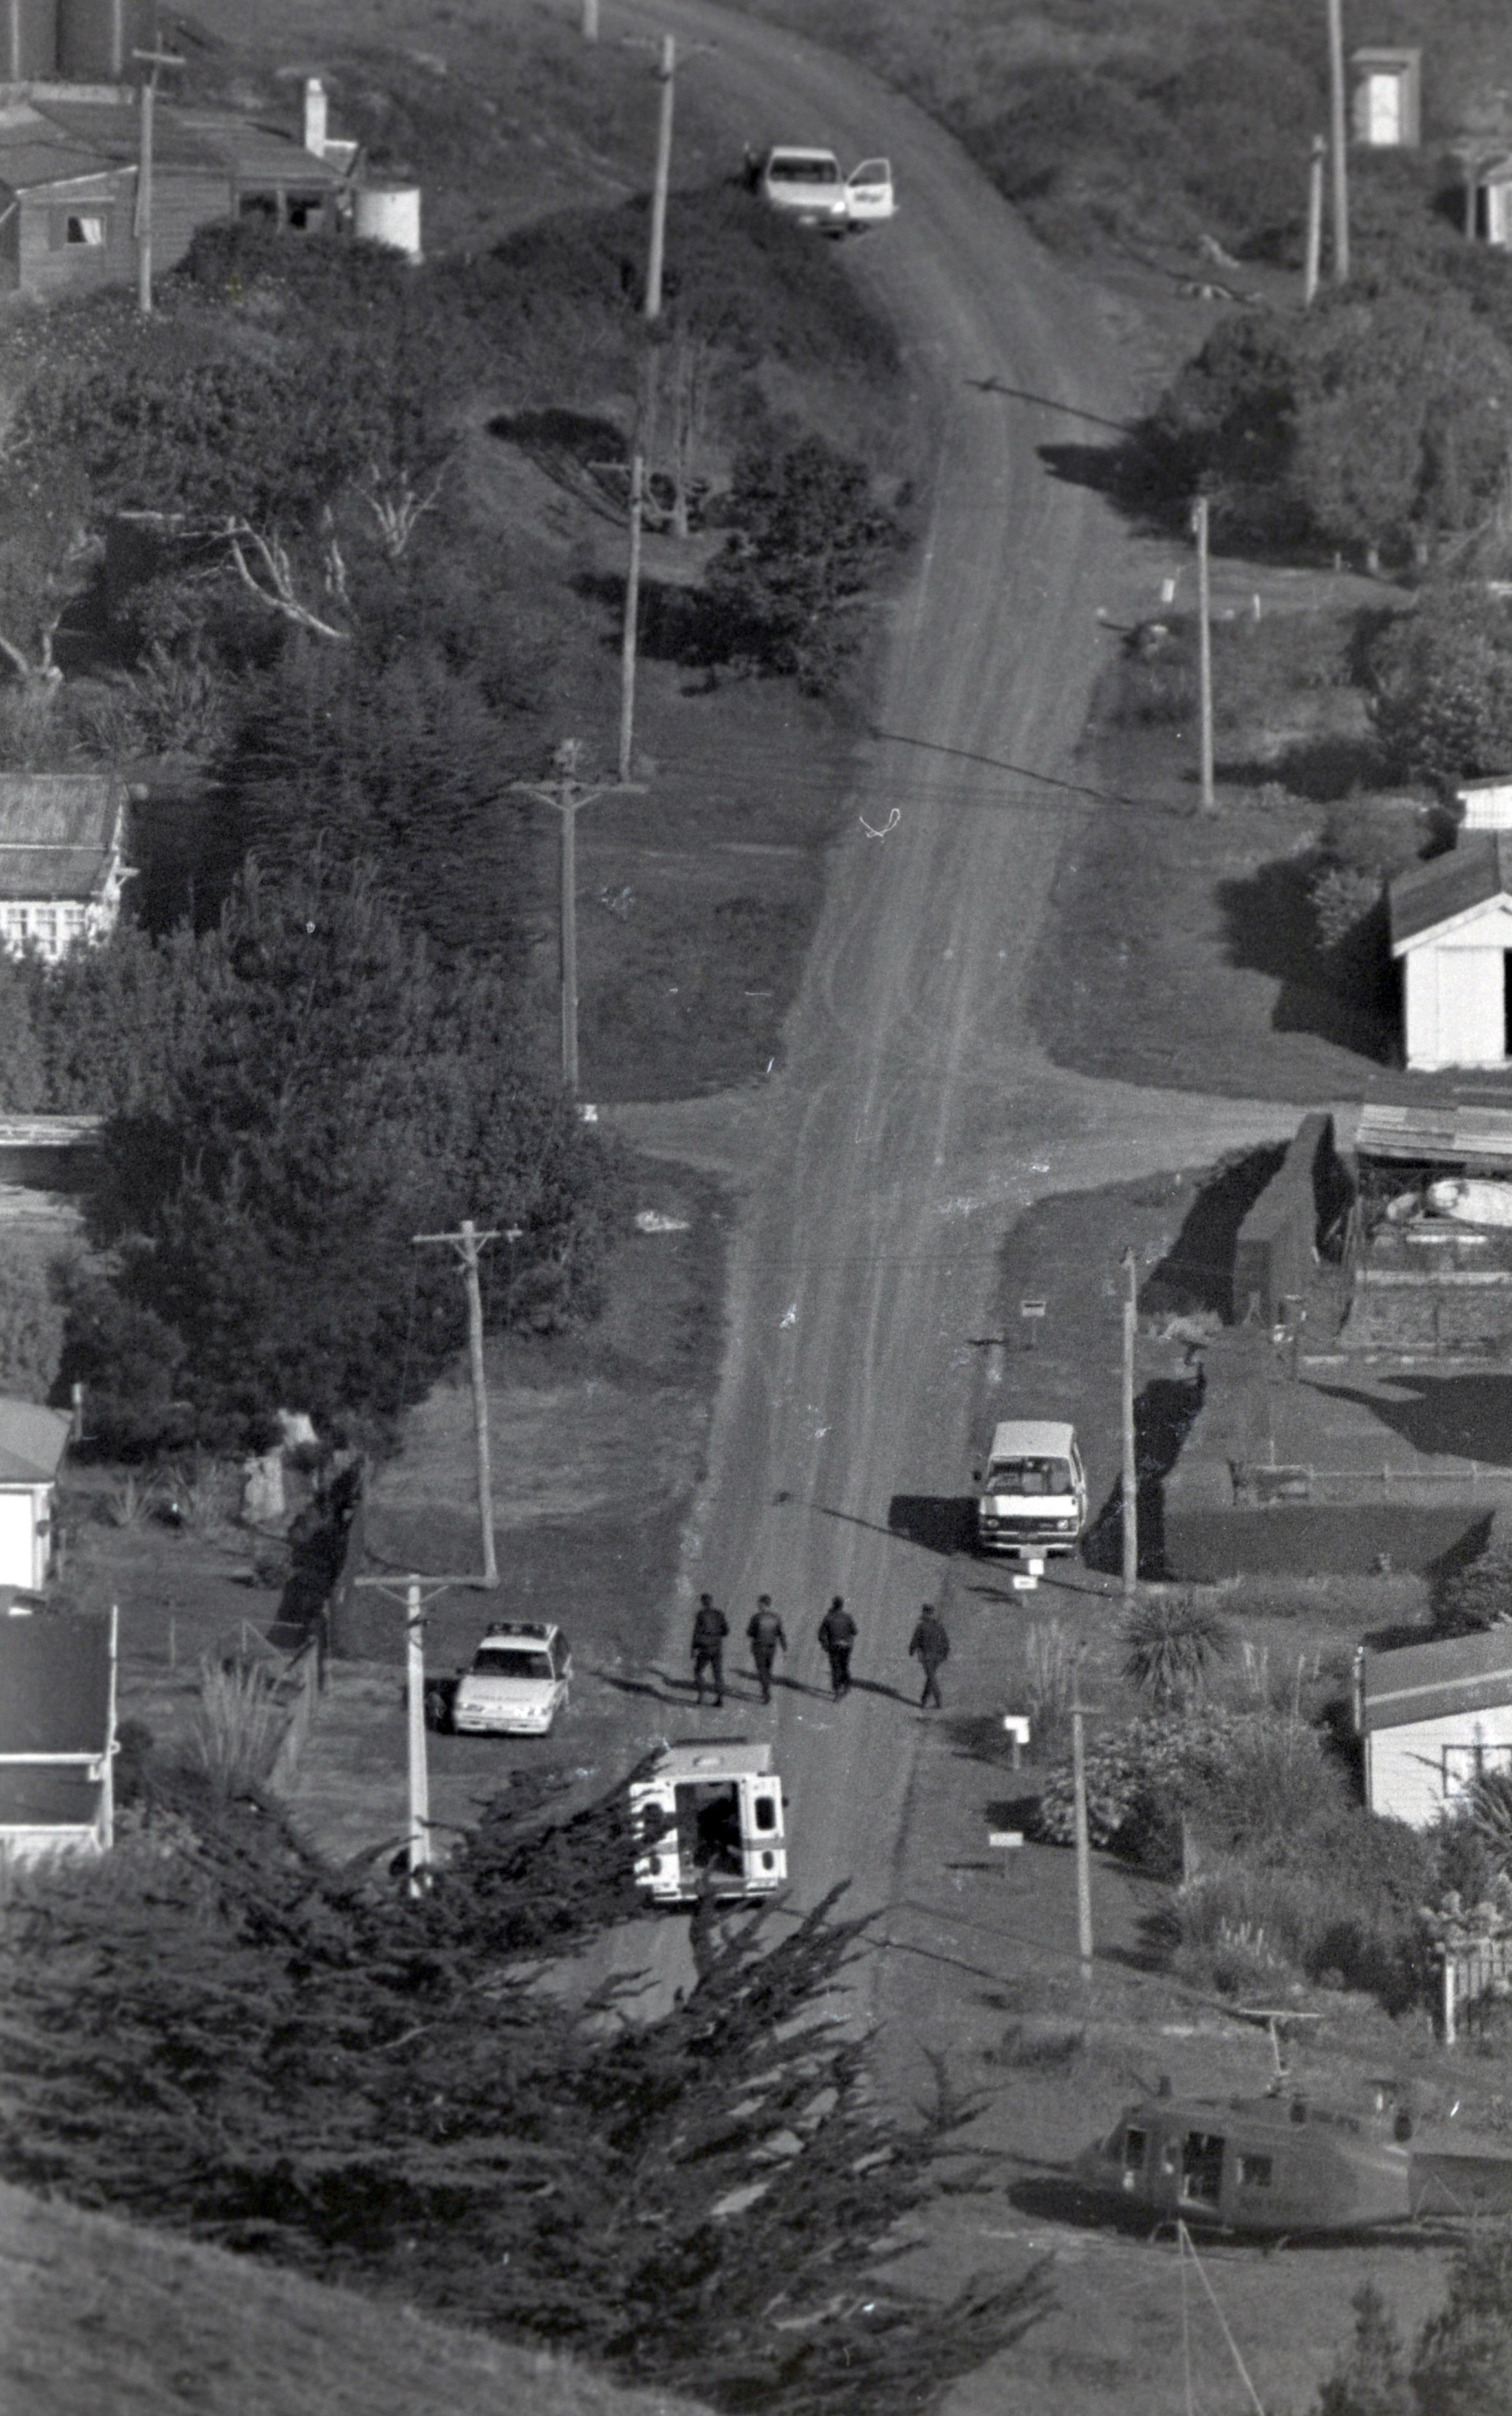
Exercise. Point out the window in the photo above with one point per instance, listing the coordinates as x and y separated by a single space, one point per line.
44 926
513 1662
1133 2158
1033 1479
14 925
1464 1763
1254 2172
87 227
70 923
766 1812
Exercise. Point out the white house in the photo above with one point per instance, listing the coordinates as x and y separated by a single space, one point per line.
1451 931
57 1732
1387 103
32 1441
62 859
1433 1716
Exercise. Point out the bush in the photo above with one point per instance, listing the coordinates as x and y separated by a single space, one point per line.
236 1727
1443 682
1468 1600
809 542
1171 1645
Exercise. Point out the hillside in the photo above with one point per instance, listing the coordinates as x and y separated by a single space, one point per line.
108 2316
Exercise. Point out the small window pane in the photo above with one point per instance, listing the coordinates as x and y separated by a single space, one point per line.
1254 2172
87 229
766 1812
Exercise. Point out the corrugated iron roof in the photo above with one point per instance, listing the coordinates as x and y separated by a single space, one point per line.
1429 1682
259 155
113 128
1473 873
59 808
35 151
31 1443
55 1682
1454 1134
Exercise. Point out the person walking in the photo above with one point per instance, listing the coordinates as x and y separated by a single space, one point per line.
710 1628
837 1634
765 1638
930 1647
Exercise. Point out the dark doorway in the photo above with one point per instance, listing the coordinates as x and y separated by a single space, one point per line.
708 1826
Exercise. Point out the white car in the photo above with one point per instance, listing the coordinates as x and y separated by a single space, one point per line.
809 186
518 1681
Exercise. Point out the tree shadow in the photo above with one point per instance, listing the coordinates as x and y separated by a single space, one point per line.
1270 928
1467 1416
940 1522
1197 1272
1163 1415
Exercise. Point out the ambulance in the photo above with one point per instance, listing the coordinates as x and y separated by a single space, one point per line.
708 1820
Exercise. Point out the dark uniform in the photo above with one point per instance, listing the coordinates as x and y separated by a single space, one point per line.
837 1634
710 1628
930 1646
766 1635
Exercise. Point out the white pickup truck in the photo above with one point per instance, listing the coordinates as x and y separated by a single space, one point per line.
807 186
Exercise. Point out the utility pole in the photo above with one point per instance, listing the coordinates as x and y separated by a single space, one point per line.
155 59
1132 1474
590 20
667 75
467 1244
568 794
1083 1843
1204 657
417 1596
1313 256
1338 133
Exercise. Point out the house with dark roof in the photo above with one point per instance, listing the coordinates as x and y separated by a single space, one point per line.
1433 1718
1451 931
62 859
57 1731
68 169
32 1443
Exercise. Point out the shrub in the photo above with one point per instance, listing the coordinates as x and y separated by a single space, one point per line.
808 542
1443 682
1479 1595
1173 1643
1049 1683
236 1727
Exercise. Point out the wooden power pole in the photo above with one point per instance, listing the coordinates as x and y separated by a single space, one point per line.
1207 792
568 794
1339 139
467 1244
1083 1843
590 20
1312 257
1132 1473
666 70
155 59
416 1594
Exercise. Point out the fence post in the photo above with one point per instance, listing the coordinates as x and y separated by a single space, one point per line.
1448 1996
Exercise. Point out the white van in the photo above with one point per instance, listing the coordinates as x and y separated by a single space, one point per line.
1032 1495
709 1818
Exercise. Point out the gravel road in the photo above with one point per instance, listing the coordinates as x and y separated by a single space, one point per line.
917 1113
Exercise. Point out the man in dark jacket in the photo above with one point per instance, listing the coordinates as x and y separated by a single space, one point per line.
930 1647
765 1636
837 1634
710 1628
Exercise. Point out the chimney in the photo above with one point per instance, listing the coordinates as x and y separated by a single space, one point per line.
315 117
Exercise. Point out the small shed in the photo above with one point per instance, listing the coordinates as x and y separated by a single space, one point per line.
31 1440
62 859
1451 930
190 182
1433 1718
1387 98
66 210
57 1731
273 177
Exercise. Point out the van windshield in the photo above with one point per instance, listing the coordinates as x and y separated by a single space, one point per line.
1029 1476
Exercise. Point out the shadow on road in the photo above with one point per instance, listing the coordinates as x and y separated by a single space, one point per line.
941 1522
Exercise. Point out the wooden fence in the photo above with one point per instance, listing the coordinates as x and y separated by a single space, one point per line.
1475 1973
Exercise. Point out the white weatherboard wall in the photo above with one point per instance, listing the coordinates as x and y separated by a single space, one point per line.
1454 990
25 1535
1405 1773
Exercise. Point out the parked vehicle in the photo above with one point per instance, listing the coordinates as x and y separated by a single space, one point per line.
809 186
709 1823
1032 1497
519 1680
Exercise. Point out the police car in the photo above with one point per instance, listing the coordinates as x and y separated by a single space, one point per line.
520 1679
